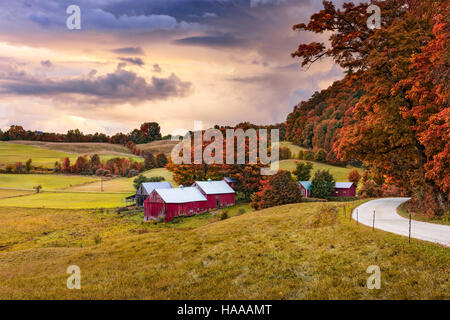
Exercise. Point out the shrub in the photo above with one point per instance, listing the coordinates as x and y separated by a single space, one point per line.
97 239
241 211
37 188
224 215
322 184
277 190
161 160
285 153
320 155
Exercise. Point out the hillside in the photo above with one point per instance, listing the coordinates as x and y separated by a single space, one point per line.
287 252
155 147
11 152
339 173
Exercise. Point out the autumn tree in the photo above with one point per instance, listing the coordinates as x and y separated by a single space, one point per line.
276 190
303 171
161 160
28 166
402 70
322 184
149 161
354 176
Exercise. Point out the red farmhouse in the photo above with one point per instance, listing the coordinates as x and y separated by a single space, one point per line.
171 203
218 193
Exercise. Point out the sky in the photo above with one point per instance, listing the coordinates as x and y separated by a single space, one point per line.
169 61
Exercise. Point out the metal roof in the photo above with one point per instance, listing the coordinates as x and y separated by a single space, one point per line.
338 185
148 187
227 179
306 184
181 195
214 187
343 185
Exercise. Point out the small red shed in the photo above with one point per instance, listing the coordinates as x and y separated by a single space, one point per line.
218 193
231 182
171 203
344 189
305 187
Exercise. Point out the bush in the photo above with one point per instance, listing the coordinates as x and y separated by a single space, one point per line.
241 211
303 171
285 153
97 239
224 215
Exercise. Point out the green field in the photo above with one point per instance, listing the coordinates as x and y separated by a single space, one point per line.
47 181
5 193
11 153
65 200
294 148
339 173
299 251
124 184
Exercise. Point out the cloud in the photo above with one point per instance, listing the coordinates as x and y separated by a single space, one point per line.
129 50
225 40
46 63
121 86
135 61
156 68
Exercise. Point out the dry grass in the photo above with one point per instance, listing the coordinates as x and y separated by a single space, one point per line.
268 254
80 148
155 147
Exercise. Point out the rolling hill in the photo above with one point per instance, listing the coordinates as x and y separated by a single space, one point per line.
298 251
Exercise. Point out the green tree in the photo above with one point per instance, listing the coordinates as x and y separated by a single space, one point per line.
322 184
303 171
143 179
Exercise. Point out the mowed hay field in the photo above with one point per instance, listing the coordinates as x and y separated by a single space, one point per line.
66 200
340 173
124 184
155 147
11 153
5 193
47 181
299 251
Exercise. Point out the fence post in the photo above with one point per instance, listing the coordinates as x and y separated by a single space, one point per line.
373 225
409 237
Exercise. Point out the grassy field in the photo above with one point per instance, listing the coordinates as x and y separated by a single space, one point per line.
294 149
124 184
79 148
10 153
4 193
339 173
155 147
300 251
65 200
47 181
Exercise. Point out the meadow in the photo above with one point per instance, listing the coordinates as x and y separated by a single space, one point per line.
11 153
340 173
298 251
47 181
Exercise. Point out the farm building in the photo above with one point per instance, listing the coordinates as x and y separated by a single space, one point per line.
341 189
231 182
218 193
201 197
171 203
146 188
305 187
344 189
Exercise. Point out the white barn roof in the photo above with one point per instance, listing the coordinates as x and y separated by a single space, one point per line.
214 187
181 195
147 187
343 185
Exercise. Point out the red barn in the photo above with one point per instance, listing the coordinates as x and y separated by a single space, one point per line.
231 182
344 189
218 193
171 203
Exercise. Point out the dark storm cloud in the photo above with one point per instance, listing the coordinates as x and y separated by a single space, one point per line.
225 40
121 86
130 50
135 61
